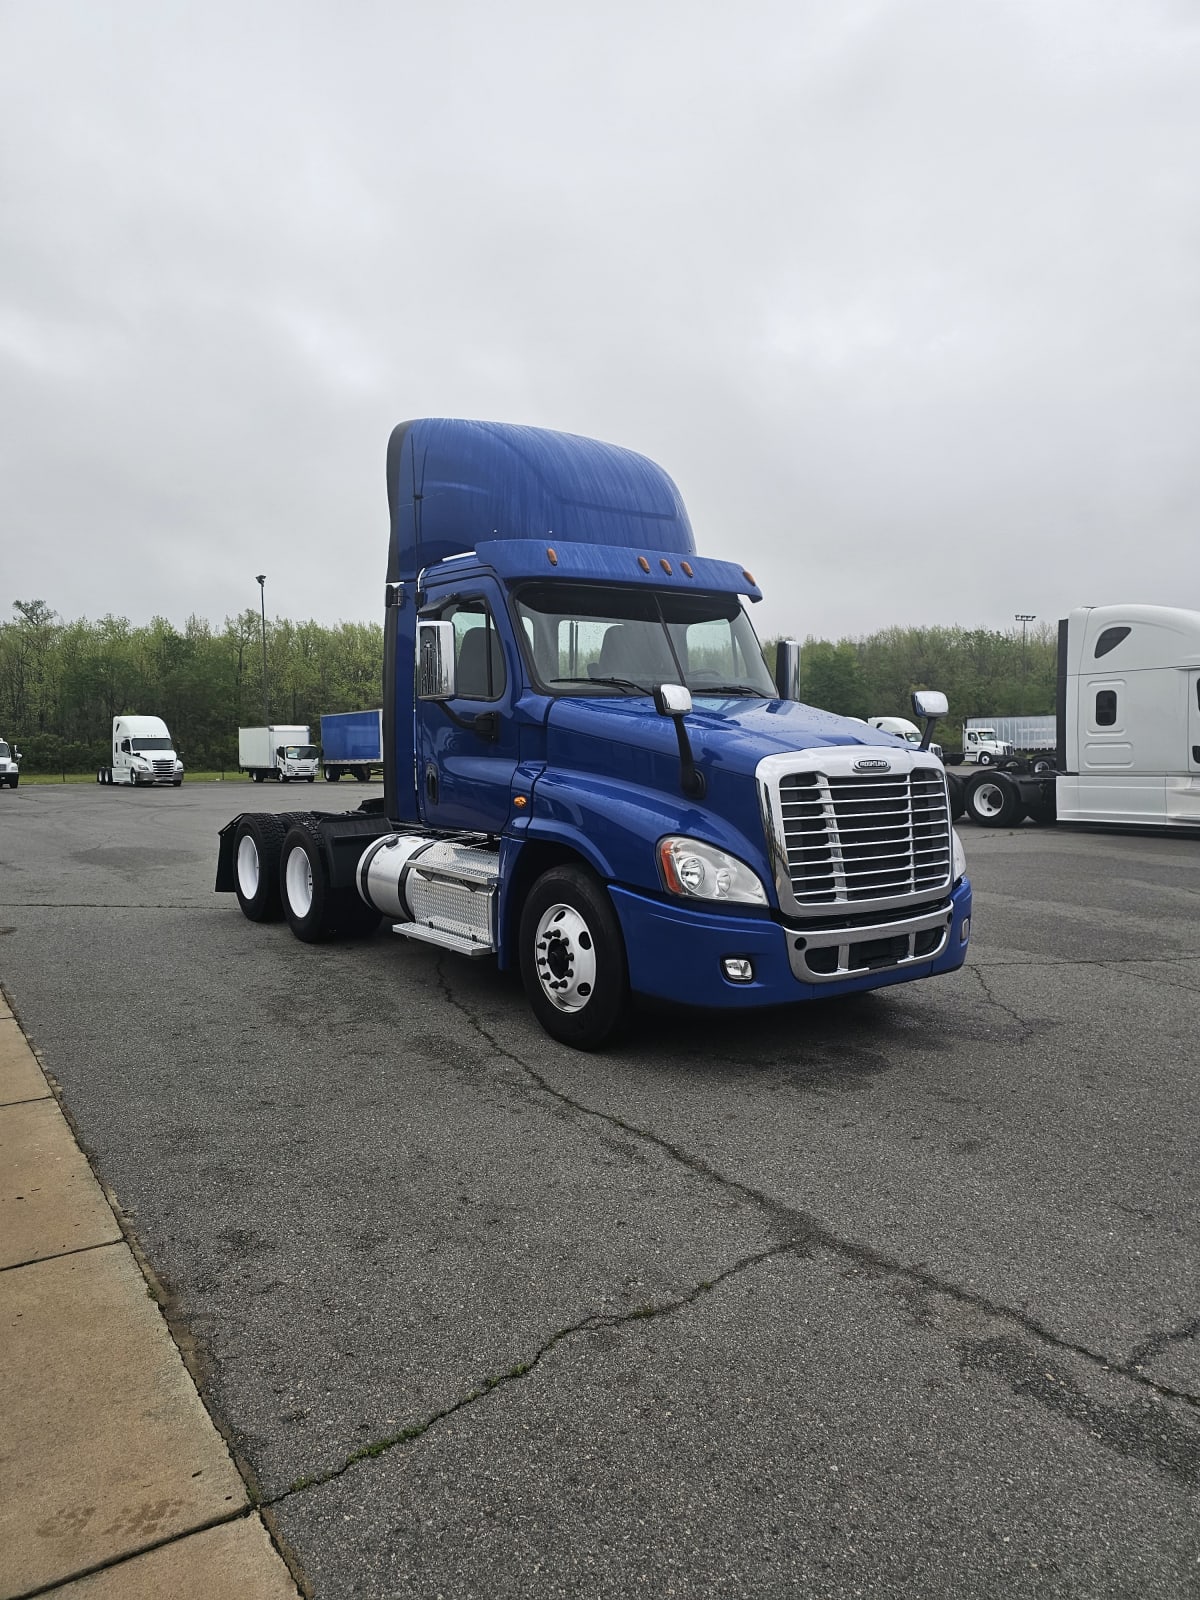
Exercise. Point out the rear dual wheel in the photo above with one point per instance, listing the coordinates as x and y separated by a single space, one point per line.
993 802
314 909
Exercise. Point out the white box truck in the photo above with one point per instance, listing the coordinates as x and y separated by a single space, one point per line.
9 772
284 752
143 754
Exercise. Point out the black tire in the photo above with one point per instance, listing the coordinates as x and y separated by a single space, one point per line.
985 758
570 942
332 774
362 775
313 779
993 802
954 787
1043 764
316 912
257 776
256 846
14 780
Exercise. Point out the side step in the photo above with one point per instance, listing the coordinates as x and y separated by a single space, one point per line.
452 889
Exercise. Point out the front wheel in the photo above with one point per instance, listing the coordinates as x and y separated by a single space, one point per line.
573 958
985 758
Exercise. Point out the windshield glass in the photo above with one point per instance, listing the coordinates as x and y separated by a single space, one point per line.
300 752
152 744
4 751
587 639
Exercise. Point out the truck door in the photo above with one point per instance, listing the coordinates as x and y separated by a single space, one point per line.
1194 721
467 747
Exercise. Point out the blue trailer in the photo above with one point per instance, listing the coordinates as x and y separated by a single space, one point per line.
589 772
351 743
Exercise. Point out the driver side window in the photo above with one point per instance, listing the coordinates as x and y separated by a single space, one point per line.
478 652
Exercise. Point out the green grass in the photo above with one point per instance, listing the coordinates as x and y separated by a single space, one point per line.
90 777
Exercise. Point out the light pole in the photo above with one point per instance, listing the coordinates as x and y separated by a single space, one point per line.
1024 617
261 580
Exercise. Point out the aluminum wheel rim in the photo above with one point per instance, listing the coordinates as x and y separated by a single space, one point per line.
989 798
247 867
565 954
298 878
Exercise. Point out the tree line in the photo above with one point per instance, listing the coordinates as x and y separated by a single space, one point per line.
61 683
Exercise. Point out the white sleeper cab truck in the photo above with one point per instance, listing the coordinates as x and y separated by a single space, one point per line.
9 756
1128 720
284 751
903 729
143 752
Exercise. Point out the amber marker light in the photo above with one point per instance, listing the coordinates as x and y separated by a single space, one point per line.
666 566
644 564
520 802
749 577
686 568
552 557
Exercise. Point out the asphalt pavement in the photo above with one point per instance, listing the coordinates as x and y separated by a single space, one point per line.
888 1296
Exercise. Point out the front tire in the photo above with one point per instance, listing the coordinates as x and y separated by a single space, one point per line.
256 847
573 962
985 758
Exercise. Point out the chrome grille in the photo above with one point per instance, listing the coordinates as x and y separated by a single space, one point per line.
163 771
851 838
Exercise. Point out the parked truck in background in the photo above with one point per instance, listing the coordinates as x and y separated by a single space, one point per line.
9 770
982 745
903 729
1023 735
1127 729
283 751
143 754
589 772
351 742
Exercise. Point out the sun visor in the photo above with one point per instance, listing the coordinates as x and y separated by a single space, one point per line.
455 485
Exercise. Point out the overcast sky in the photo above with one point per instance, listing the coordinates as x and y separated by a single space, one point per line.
904 294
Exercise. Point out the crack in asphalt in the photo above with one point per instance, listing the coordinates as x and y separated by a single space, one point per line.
594 1321
798 1230
1151 1348
1008 1011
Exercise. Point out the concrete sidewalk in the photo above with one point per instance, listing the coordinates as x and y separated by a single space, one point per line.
114 1483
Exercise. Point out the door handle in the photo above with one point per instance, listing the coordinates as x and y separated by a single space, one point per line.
431 783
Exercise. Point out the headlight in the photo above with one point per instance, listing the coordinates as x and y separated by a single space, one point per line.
958 856
702 872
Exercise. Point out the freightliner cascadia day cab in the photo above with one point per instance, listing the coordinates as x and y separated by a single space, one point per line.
351 743
284 751
1127 751
589 772
10 772
143 752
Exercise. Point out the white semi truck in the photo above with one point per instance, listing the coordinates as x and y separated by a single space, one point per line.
9 771
1127 752
903 729
143 754
284 751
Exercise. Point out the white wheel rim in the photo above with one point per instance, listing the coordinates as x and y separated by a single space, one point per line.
247 867
297 877
989 799
565 954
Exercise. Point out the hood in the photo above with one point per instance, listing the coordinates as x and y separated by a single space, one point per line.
733 734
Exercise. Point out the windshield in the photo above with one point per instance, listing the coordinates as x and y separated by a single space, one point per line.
587 639
300 752
4 751
151 744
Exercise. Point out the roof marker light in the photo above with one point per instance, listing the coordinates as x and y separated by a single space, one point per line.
644 564
552 557
666 566
686 568
749 577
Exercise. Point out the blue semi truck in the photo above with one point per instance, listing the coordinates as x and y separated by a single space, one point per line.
589 771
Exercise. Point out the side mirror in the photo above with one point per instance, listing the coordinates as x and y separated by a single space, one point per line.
672 700
787 669
675 701
435 661
929 704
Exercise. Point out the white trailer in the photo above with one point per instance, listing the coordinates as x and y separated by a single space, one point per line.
143 754
1020 733
1128 753
283 751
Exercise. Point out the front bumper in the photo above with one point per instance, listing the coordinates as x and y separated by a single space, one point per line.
676 951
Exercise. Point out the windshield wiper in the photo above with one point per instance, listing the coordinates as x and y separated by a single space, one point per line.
726 689
620 683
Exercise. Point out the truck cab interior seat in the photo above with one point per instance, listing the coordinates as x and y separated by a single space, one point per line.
637 654
479 650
